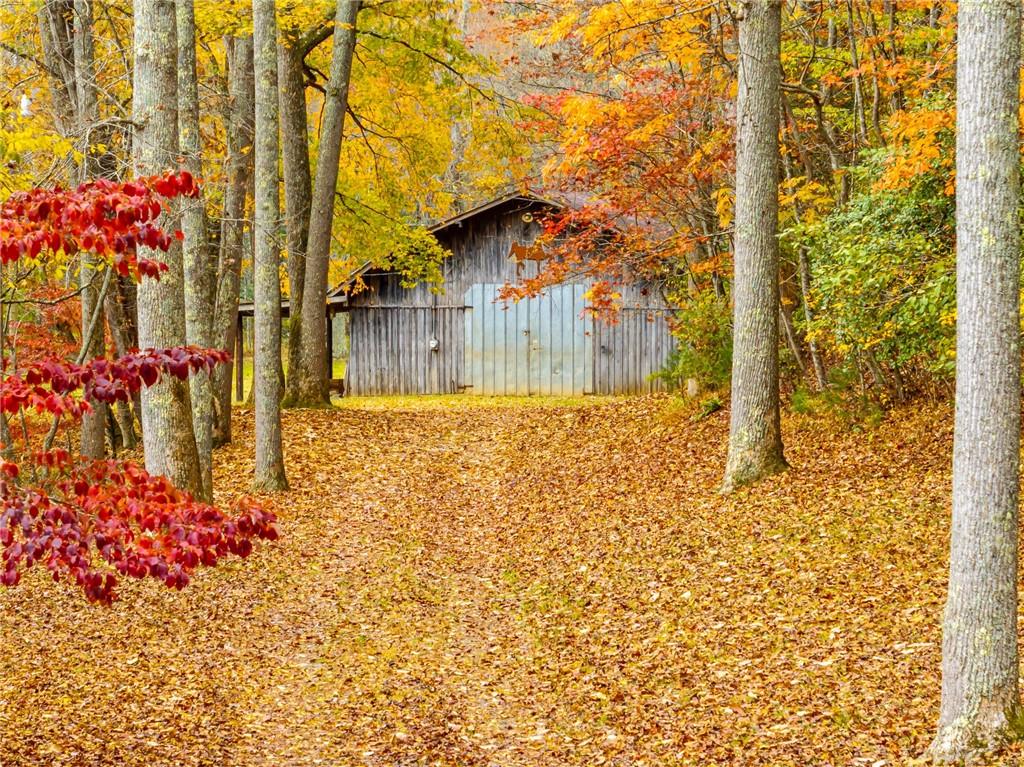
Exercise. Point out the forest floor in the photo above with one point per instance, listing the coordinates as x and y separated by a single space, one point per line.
519 583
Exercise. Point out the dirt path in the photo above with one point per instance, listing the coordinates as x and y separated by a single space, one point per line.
517 586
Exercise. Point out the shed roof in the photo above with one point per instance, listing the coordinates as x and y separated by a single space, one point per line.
337 298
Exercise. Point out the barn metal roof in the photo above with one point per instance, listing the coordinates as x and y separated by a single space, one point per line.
525 196
337 296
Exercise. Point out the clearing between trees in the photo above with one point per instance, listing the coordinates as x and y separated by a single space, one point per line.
465 581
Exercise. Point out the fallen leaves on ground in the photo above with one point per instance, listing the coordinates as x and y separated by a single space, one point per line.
519 583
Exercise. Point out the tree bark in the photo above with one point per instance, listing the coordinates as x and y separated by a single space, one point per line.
298 192
311 377
199 268
167 433
755 438
239 167
122 333
93 430
57 38
90 268
267 282
980 698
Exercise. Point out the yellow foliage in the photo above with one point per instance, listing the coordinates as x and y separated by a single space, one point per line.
724 205
810 198
27 147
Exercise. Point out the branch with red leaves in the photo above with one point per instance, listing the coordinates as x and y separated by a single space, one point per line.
94 522
104 217
50 386
99 521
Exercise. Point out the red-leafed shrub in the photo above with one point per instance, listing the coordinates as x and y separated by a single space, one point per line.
95 521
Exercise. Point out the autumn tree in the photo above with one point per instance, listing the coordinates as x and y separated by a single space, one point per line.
267 301
197 264
239 170
980 668
167 431
308 383
85 520
755 438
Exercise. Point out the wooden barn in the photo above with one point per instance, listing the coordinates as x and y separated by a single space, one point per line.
415 341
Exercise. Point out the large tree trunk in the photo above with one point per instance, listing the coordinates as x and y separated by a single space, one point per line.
267 281
167 435
298 191
310 386
239 167
199 267
755 438
90 268
980 699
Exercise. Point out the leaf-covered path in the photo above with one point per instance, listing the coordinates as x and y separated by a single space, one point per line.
518 584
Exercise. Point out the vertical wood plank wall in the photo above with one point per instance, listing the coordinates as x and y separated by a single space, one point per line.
627 353
391 353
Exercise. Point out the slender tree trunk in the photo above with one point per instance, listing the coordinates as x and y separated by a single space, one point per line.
93 443
267 282
122 333
858 92
789 330
454 181
168 438
239 167
57 38
199 267
311 377
820 374
298 193
980 698
755 438
85 85
90 269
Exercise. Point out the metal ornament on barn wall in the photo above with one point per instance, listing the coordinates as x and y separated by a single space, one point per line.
522 253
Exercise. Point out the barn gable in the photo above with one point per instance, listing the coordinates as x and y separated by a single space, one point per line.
417 341
481 242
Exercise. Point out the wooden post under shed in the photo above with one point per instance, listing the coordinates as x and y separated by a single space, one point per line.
337 301
330 344
239 357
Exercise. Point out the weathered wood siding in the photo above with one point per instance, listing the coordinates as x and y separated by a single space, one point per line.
480 250
391 327
627 353
390 350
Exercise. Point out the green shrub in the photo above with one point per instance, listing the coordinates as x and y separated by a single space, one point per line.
883 278
702 327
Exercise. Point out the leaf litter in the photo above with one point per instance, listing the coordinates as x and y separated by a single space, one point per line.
483 583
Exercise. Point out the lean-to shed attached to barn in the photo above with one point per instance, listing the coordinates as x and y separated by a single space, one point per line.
415 341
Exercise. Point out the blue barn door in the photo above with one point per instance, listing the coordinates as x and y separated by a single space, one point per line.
540 345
